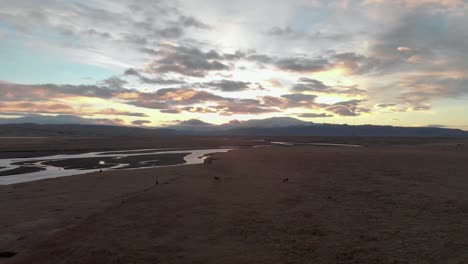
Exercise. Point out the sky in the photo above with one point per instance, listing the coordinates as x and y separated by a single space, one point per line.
159 62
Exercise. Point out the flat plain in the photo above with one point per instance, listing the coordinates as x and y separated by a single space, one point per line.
393 200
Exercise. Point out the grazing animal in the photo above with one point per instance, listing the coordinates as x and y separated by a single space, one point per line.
285 180
217 178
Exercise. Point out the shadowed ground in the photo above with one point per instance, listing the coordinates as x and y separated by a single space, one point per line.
340 205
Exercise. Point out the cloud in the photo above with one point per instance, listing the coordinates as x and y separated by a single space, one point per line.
97 32
228 85
287 101
36 99
244 106
194 122
129 18
421 35
141 122
174 100
306 84
22 107
171 32
444 5
300 100
282 31
112 111
289 34
386 105
313 115
189 61
260 58
165 98
152 104
187 96
304 65
347 108
312 85
170 111
147 80
300 97
114 82
198 109
17 92
421 90
404 49
60 119
275 82
403 62
189 21
392 107
177 29
35 107
355 63
233 106
420 108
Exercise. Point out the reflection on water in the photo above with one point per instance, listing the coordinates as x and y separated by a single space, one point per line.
19 170
282 143
313 144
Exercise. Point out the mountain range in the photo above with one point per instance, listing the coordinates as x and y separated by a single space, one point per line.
287 126
276 126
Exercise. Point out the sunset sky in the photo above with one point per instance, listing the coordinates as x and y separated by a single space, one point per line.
156 63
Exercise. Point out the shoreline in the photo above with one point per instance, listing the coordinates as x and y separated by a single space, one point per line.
56 166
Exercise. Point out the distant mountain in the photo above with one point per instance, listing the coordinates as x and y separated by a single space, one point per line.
196 126
71 125
49 130
344 130
268 123
58 119
278 126
287 126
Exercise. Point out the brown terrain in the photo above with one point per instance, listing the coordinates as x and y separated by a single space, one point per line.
393 200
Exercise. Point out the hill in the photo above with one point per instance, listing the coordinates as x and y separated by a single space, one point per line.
49 130
258 127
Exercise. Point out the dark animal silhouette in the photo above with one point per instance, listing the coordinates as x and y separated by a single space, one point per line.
285 180
217 178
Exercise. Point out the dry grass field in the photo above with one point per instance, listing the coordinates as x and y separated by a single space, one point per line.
382 203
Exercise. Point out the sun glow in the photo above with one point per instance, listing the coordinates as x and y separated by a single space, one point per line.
333 76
